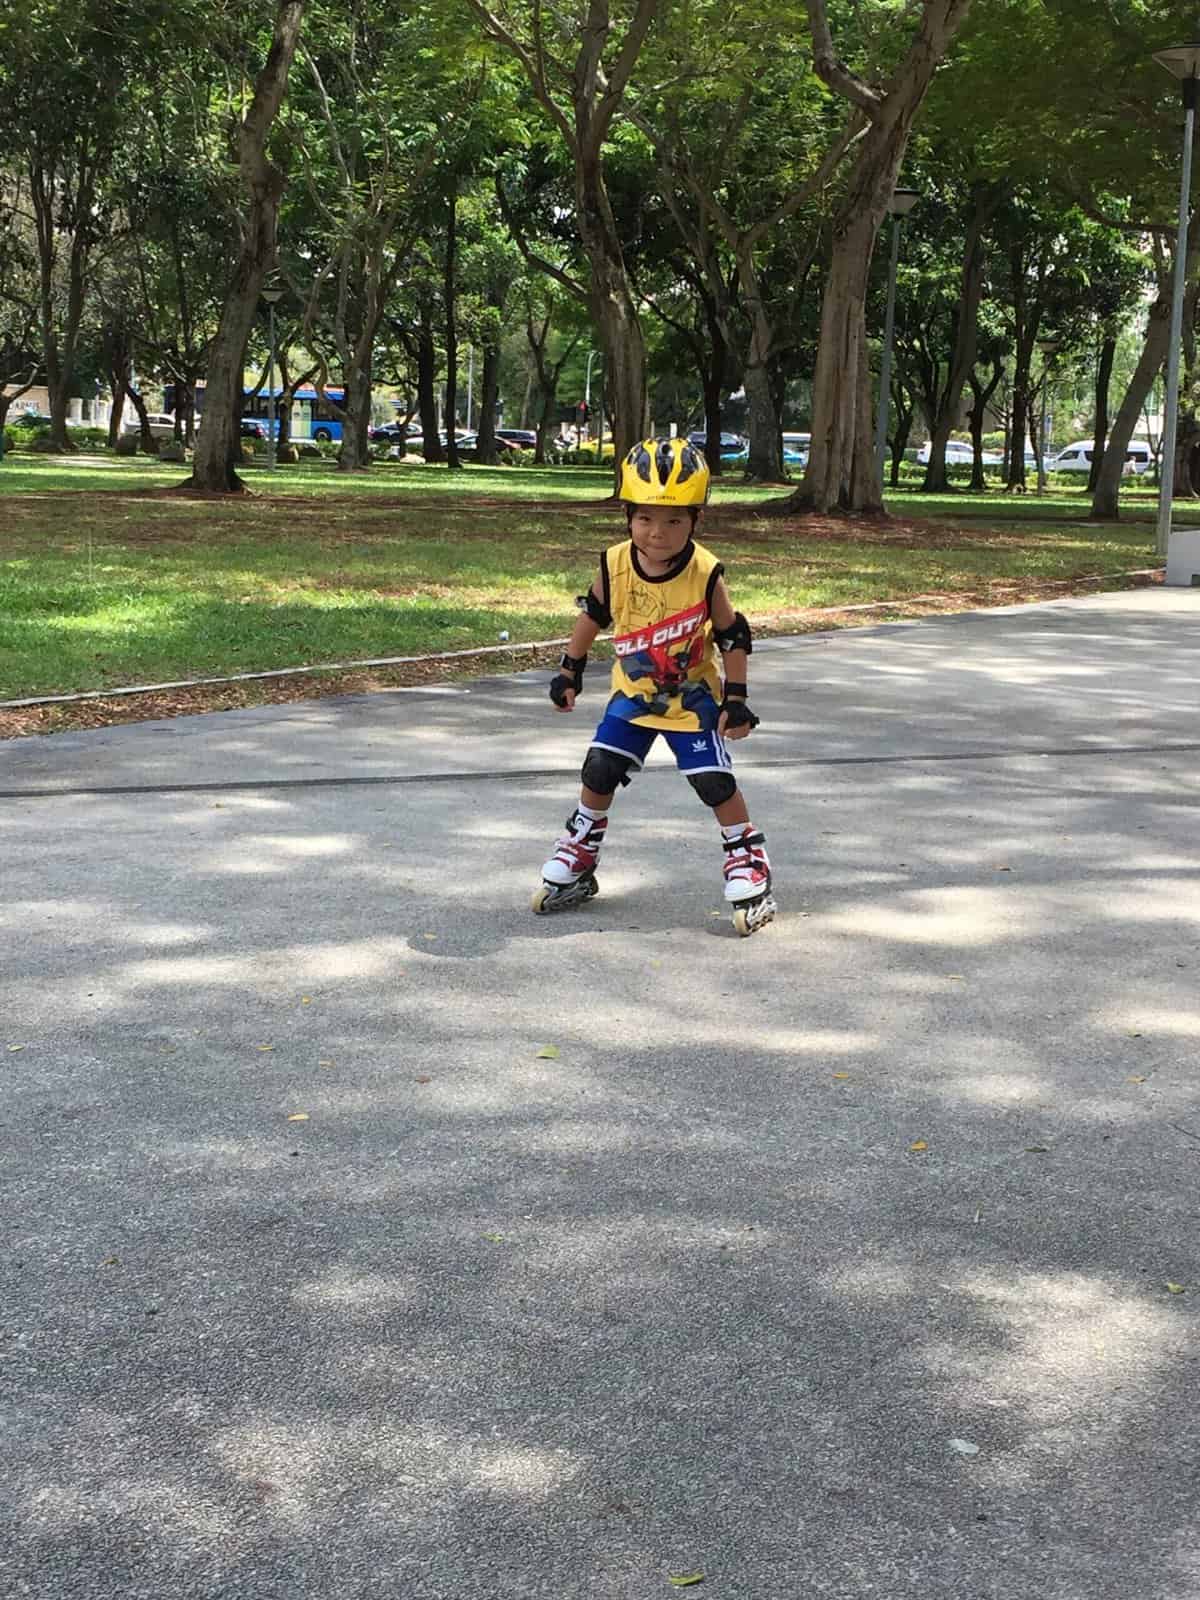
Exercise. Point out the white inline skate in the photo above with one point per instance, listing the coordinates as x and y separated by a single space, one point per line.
569 877
748 880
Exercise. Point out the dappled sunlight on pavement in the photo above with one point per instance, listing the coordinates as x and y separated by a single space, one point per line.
358 1216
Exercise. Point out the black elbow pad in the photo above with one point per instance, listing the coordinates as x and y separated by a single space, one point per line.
597 611
735 637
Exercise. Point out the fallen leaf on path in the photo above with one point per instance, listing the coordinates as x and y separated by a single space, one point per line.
1176 1288
266 1047
423 1080
298 1116
1037 1149
13 1047
919 1144
494 1238
685 1580
841 1076
306 999
548 1052
1133 1035
964 1447
1141 1078
111 1261
324 1063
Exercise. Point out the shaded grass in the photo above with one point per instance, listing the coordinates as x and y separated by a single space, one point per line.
103 584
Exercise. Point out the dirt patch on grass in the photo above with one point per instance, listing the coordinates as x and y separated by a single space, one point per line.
357 521
153 705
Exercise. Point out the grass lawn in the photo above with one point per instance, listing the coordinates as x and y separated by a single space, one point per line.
106 582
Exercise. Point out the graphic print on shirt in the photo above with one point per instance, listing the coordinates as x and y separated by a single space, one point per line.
664 651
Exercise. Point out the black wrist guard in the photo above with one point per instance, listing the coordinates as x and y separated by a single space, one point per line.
571 677
738 689
738 713
735 637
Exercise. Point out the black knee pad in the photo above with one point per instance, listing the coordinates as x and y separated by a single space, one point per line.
603 770
714 788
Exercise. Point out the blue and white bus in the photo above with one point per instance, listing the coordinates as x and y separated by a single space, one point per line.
312 415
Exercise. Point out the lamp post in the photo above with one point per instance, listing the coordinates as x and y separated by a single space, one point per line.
1182 62
1049 349
272 297
901 203
470 383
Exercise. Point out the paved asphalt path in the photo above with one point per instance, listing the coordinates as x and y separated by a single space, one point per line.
832 1263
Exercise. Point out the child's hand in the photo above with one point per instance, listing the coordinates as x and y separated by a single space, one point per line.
567 703
736 720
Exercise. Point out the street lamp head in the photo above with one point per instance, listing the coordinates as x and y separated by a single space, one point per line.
270 297
1049 348
1181 61
902 201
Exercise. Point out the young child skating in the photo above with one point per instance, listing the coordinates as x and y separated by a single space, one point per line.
664 597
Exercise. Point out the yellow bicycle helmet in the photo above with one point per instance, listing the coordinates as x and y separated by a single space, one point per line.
664 472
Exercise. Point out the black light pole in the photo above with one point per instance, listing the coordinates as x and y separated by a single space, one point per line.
901 203
272 297
1182 62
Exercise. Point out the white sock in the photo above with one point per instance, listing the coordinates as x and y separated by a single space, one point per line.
590 814
733 830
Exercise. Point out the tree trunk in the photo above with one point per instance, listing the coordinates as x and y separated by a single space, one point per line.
966 342
489 391
766 444
902 409
116 383
427 389
1022 422
355 454
981 395
833 478
60 334
713 379
146 440
1106 495
545 417
448 308
527 400
765 457
841 468
613 310
218 445
1108 350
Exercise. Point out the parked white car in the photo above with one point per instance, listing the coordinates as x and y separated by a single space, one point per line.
958 454
162 424
1078 457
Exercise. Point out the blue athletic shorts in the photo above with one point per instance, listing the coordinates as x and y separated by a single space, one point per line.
693 752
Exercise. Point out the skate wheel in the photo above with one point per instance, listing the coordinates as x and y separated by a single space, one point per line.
540 895
748 919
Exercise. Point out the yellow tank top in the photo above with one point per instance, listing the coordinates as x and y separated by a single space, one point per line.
665 672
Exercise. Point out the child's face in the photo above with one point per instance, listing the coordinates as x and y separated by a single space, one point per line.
661 532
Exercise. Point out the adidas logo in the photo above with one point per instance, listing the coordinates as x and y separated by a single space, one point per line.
699 744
